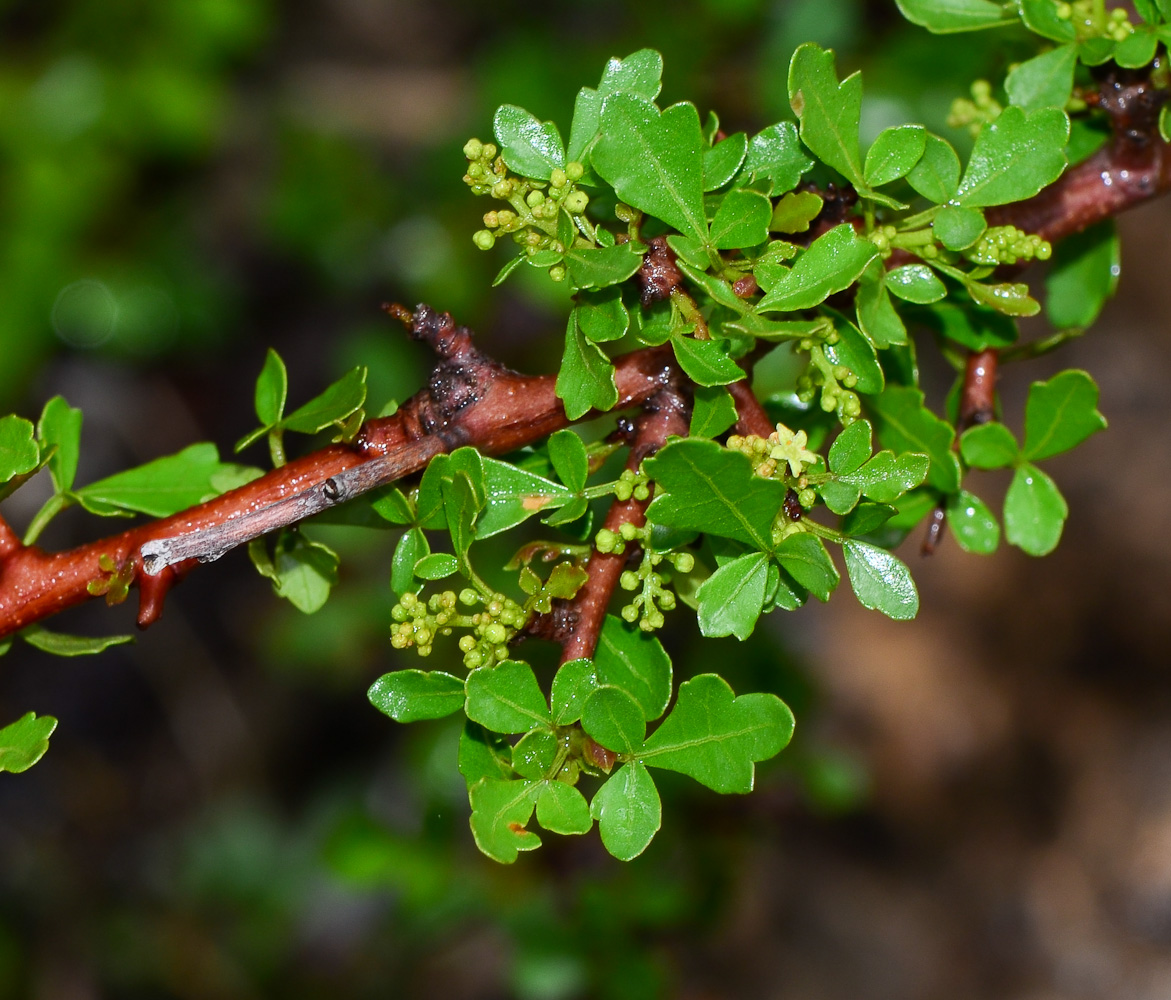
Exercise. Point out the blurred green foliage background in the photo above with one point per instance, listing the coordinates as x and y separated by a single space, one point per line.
184 183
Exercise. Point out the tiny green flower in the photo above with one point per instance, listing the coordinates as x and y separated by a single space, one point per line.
790 447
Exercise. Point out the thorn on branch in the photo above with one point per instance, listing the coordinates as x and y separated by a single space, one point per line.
152 591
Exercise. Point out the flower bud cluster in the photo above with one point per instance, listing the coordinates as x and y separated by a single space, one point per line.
975 113
653 597
417 622
1086 16
782 447
1007 245
632 484
835 382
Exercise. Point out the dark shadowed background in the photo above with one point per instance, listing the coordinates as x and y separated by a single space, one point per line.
977 804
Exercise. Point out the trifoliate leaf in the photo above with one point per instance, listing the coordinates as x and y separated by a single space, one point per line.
804 557
500 811
411 695
1045 81
628 811
731 599
700 486
989 446
937 174
60 429
880 580
905 424
715 737
973 524
776 154
1034 511
1084 274
24 742
506 698
1060 414
586 379
654 161
1014 157
59 644
828 111
635 662
530 148
947 16
894 152
831 263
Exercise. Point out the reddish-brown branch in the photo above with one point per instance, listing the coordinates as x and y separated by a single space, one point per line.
663 415
752 418
469 399
9 540
978 394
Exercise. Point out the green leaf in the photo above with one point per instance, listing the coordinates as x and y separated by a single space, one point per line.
18 447
411 695
636 663
775 154
971 325
1045 81
973 524
654 161
804 557
886 477
628 811
1083 275
614 719
393 506
506 698
304 571
535 753
1095 51
712 412
989 446
905 424
602 316
1010 298
867 517
915 283
856 353
894 153
831 263
703 487
586 379
705 361
569 458
412 547
513 495
1014 157
530 148
483 754
742 220
436 566
721 162
563 809
937 174
340 400
500 811
638 73
795 211
59 644
880 580
1136 49
60 429
947 16
851 448
731 599
272 390
715 737
958 228
159 488
599 267
1034 511
1041 17
829 111
574 683
1060 414
877 318
24 742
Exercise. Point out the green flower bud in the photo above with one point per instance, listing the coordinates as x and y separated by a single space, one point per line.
489 150
628 580
630 613
466 644
557 272
558 178
469 597
534 198
502 189
604 541
574 170
484 239
684 562
807 498
473 148
495 634
628 531
576 201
